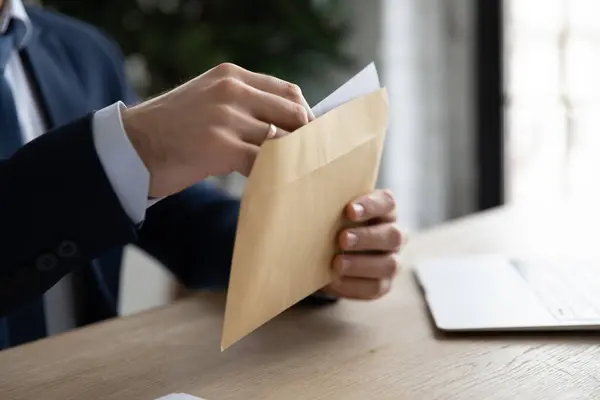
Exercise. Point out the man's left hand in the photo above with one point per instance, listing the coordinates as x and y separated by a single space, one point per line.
369 263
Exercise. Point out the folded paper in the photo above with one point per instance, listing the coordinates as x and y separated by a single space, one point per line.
292 210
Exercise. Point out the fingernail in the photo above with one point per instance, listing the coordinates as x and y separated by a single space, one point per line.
358 209
351 239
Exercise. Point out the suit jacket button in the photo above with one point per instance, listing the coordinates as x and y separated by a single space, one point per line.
46 262
67 249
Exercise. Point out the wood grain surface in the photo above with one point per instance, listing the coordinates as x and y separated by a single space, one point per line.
387 349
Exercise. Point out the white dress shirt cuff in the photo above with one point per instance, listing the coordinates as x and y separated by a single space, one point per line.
125 170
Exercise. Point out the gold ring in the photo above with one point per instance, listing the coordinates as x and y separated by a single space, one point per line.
271 132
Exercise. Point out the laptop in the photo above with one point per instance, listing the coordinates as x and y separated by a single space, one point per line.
497 292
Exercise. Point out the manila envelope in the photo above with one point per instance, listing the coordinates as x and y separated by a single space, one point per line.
292 210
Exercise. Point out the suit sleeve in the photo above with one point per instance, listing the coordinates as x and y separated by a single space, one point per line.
58 212
192 233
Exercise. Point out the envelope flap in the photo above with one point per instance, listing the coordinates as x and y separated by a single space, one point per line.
317 144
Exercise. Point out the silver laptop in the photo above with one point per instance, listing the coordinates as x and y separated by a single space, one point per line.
495 292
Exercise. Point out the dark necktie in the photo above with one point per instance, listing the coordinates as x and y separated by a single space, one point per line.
10 129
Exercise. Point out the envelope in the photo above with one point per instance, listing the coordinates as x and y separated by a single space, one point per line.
292 210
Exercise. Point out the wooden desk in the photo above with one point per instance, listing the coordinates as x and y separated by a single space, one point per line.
352 350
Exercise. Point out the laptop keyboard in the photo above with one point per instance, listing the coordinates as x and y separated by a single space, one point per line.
569 293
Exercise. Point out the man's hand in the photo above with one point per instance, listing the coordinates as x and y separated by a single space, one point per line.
212 125
369 263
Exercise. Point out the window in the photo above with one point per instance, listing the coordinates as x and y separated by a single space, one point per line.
552 99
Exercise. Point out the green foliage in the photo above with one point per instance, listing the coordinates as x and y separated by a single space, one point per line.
179 39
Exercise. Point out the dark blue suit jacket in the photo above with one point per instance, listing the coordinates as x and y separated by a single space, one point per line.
58 211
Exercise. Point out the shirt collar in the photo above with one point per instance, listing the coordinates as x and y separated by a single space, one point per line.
15 9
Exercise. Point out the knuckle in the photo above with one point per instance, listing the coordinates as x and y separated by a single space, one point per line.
229 87
383 200
389 195
392 266
293 91
395 237
226 69
300 114
389 199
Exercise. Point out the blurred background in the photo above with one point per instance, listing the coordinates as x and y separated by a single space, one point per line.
492 101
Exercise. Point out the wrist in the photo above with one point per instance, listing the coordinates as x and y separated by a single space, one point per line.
135 129
135 132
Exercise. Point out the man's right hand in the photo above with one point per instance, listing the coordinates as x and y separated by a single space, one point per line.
211 125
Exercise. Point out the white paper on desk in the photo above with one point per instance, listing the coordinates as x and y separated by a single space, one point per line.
363 83
179 396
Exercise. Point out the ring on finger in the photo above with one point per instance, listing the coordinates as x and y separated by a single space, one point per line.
271 132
